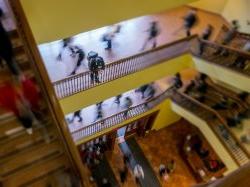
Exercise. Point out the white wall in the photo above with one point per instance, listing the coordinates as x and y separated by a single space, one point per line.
240 10
215 6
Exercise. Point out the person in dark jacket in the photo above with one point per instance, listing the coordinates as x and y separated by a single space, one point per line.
189 21
118 99
6 49
205 36
142 89
77 114
177 81
96 63
81 55
153 32
66 44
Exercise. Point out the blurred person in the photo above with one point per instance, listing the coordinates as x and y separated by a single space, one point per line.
6 49
99 111
227 38
150 92
66 45
95 63
206 34
105 183
77 114
189 21
240 61
118 99
142 89
170 166
138 173
177 81
127 104
123 174
110 35
81 55
162 170
153 32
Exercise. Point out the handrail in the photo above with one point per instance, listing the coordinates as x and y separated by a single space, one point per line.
211 123
227 92
222 120
231 49
77 83
104 123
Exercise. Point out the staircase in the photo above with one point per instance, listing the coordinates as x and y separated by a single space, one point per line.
27 160
216 123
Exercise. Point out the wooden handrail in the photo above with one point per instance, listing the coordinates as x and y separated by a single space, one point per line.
156 99
231 49
132 57
46 87
77 83
227 92
221 119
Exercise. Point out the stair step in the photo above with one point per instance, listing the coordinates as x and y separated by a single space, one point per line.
36 171
28 158
44 180
9 127
29 147
21 141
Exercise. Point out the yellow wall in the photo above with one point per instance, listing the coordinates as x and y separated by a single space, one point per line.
210 136
164 118
121 85
222 74
240 10
55 19
215 6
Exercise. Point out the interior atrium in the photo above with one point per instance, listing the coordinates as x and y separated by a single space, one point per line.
124 93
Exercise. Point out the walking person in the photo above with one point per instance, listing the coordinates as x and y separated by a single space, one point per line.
6 49
118 99
177 81
189 21
81 55
142 89
138 173
77 114
123 174
206 34
227 38
128 103
99 111
109 36
95 63
153 32
66 44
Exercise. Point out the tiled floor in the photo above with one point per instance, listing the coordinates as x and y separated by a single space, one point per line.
126 43
160 147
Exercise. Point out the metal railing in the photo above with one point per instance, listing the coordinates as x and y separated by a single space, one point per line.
120 117
82 81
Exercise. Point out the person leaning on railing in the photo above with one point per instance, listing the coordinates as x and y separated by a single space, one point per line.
206 34
95 63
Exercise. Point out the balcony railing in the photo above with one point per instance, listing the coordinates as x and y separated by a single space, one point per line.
217 124
227 61
238 41
120 117
77 83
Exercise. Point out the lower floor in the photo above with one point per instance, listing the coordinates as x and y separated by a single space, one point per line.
151 151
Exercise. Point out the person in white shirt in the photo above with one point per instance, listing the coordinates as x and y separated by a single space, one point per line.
138 172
